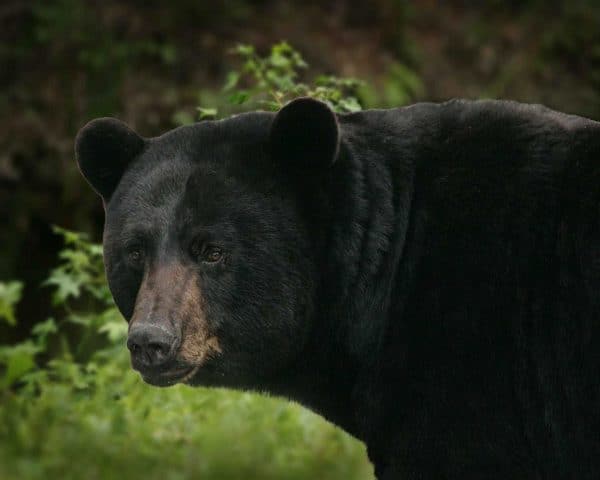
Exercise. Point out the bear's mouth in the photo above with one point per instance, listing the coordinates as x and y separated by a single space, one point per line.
169 378
189 375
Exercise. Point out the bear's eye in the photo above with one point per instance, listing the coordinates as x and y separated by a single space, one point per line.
212 254
206 253
135 255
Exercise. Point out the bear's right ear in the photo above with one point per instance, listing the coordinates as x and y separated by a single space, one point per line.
305 135
104 148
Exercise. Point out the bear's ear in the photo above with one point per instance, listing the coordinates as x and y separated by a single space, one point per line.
104 148
305 135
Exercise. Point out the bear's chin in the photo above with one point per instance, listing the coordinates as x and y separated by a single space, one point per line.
160 381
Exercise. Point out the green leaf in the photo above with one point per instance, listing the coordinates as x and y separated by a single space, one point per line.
270 105
116 331
10 294
66 285
83 319
243 50
239 97
69 237
231 81
42 330
206 113
45 328
349 104
17 360
95 250
78 259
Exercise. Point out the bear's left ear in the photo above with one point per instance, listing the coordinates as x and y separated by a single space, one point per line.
104 148
305 135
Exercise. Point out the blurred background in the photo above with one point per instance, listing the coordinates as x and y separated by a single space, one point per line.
65 409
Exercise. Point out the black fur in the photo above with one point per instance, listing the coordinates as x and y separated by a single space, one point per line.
429 280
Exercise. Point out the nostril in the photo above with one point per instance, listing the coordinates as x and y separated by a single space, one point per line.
133 346
155 348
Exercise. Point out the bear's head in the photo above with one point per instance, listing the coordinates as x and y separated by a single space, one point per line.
206 240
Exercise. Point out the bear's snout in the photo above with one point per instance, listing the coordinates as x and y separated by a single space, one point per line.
152 347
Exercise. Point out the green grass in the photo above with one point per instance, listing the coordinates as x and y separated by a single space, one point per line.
118 427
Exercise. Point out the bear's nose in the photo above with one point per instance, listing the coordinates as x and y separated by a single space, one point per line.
150 345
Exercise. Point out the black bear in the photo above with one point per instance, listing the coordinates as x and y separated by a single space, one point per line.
427 278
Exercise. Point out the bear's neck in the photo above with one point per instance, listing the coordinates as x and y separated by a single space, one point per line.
361 230
320 389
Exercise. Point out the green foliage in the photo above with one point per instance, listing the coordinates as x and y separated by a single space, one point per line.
269 82
16 360
81 412
80 272
81 298
273 80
